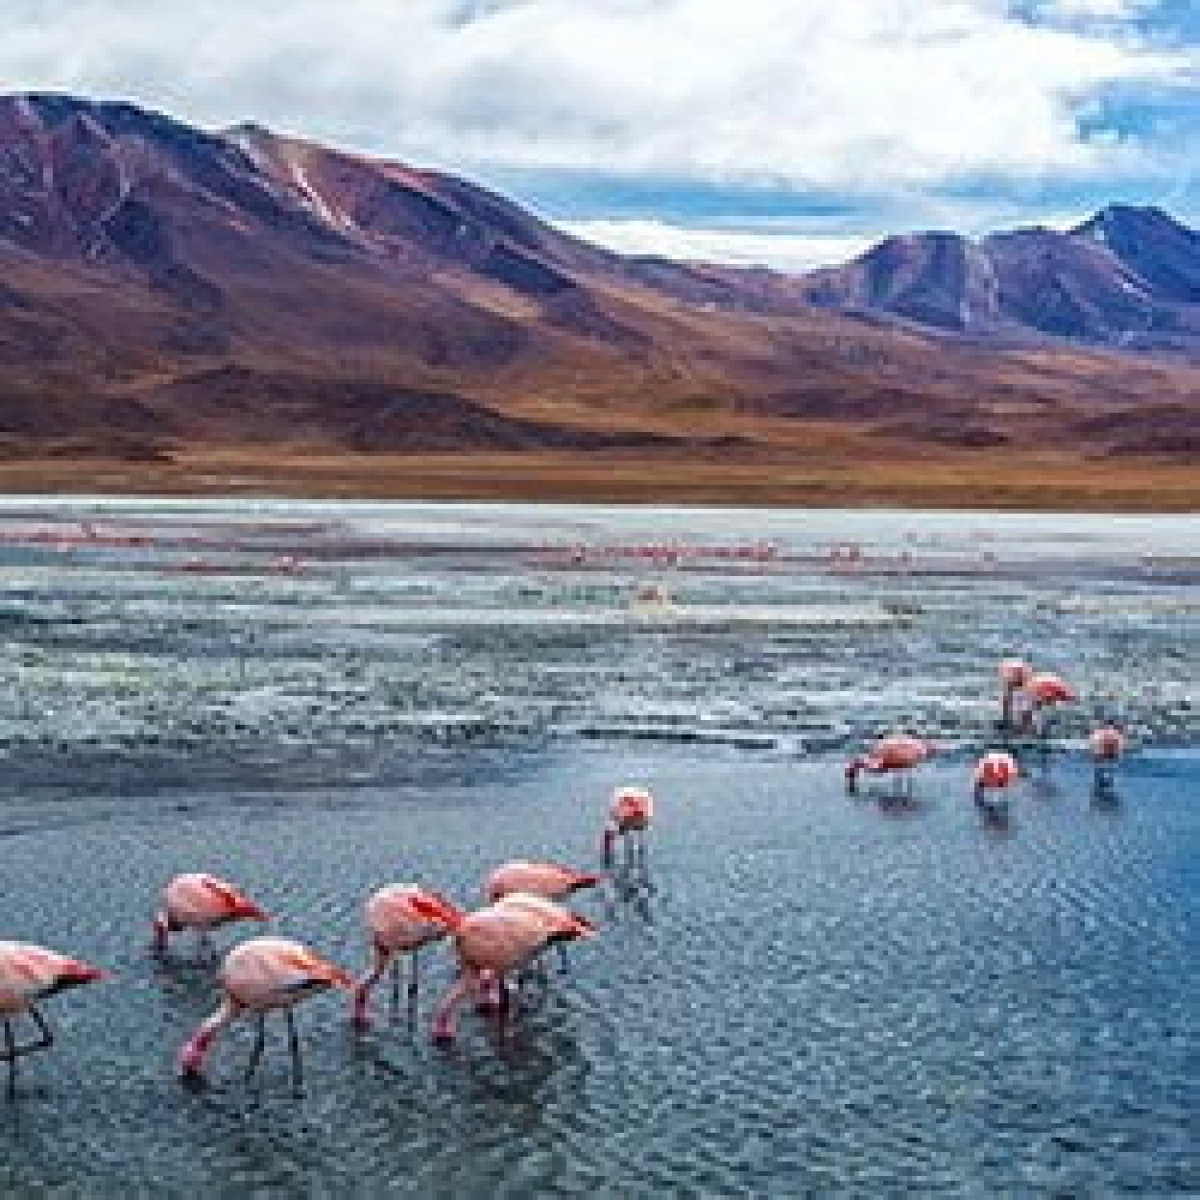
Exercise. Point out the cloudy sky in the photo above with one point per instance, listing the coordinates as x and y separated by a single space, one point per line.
779 131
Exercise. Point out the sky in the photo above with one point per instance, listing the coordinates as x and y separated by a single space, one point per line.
784 132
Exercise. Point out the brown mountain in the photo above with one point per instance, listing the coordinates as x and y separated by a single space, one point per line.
1127 279
167 293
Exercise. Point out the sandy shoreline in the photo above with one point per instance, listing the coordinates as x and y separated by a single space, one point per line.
986 481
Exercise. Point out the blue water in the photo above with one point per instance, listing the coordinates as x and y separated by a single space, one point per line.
821 993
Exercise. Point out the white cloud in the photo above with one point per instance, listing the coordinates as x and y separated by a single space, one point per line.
783 250
1111 10
861 95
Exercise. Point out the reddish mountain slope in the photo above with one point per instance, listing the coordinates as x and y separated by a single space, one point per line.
163 289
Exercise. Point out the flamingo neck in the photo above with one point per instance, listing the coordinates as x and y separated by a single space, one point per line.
610 838
854 768
195 1050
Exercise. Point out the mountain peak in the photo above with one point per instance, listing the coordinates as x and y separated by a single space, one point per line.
1140 219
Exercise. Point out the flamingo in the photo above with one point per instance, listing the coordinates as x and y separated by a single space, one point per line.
994 772
493 941
202 903
258 976
396 928
1048 690
630 814
1107 745
1015 674
549 880
899 753
28 974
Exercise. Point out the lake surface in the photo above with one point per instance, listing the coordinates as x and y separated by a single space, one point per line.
820 993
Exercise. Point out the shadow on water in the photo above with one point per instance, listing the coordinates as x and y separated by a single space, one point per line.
995 818
899 804
1105 795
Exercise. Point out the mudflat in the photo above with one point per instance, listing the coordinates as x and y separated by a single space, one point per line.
838 476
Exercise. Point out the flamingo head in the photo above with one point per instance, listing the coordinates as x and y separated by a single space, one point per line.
1015 673
73 974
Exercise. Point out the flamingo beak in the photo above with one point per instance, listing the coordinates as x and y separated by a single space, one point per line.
341 979
249 911
78 973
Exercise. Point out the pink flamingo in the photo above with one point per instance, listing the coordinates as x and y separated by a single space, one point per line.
1107 745
202 903
629 816
898 753
494 941
29 974
548 880
1048 690
396 928
261 975
1015 674
994 772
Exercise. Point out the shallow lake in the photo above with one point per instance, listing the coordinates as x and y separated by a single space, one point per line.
819 993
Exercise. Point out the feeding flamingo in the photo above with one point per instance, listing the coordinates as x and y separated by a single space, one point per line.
259 976
549 880
29 974
1015 675
994 772
899 754
629 816
396 928
1046 691
202 903
494 941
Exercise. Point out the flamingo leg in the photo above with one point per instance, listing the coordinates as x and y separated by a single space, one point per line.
44 1029
564 963
413 986
294 1047
256 1053
395 986
10 1052
443 1017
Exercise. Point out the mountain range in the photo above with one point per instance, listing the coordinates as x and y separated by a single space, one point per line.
164 288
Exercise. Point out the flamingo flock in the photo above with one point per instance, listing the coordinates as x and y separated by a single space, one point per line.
1028 702
494 946
523 915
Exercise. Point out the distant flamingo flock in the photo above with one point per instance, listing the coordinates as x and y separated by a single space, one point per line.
494 947
1028 703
